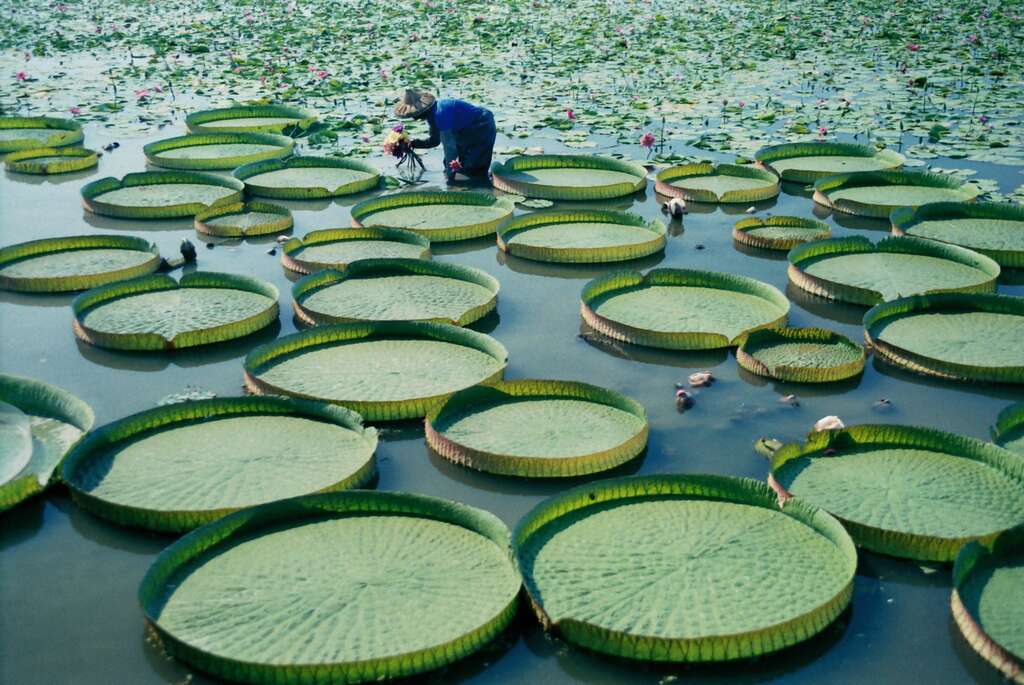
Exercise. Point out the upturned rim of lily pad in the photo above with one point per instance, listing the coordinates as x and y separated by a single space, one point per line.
903 220
91 191
55 284
284 223
890 159
500 174
307 192
73 159
362 211
65 132
196 121
860 179
1009 419
852 365
666 180
742 228
282 147
291 262
512 227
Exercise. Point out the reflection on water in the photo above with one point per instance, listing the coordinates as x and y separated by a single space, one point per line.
841 312
574 271
760 252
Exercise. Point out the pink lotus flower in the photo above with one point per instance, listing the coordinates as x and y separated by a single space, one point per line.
455 165
983 119
321 74
741 104
822 131
143 93
21 76
61 7
973 38
75 110
571 115
398 128
648 140
913 47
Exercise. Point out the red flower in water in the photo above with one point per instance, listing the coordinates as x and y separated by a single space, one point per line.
570 114
21 76
455 165
648 140
822 131
75 110
913 47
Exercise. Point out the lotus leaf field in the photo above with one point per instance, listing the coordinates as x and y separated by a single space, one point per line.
717 378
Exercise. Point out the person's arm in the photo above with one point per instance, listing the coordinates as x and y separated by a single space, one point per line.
451 151
435 136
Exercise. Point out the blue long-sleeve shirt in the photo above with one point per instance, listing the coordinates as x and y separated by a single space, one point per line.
446 118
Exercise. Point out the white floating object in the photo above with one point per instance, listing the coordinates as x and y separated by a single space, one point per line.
701 378
829 423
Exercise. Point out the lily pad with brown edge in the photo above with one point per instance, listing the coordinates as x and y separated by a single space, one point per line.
29 133
585 236
853 269
220 151
538 428
385 371
341 587
53 265
160 194
877 193
252 118
183 465
51 160
807 162
158 313
336 248
681 309
779 232
396 290
683 568
1009 429
909 492
568 177
995 229
307 178
244 219
441 216
801 355
717 183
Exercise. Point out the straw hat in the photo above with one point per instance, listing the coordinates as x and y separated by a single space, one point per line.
413 102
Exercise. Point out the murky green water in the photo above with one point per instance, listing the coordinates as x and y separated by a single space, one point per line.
68 580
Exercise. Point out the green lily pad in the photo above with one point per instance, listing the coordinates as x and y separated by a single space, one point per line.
568 177
305 178
384 371
336 248
396 290
217 150
30 133
439 216
878 193
581 236
1009 428
49 160
160 194
727 183
244 219
538 428
683 568
807 162
681 309
801 355
779 232
341 587
909 492
183 465
258 118
158 313
79 262
994 229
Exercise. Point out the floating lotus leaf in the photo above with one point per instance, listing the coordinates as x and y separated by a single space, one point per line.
855 270
581 236
306 178
878 193
396 290
49 160
681 309
258 118
343 587
385 371
439 216
78 262
568 177
905 491
55 420
779 232
959 336
244 220
807 162
217 150
994 229
683 568
987 601
158 313
160 194
183 465
538 428
801 355
704 182
30 133
1009 428
336 248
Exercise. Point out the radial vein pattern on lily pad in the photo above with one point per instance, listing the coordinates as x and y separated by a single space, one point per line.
538 428
336 248
38 424
878 193
159 194
807 162
29 133
158 313
176 467
255 118
995 229
714 183
683 567
779 232
581 236
987 601
217 150
244 219
50 160
396 290
568 177
681 308
1009 429
801 355
384 371
343 587
306 178
441 216
852 269
909 492
960 336
79 262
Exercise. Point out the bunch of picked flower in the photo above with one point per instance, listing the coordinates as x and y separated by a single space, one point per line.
398 144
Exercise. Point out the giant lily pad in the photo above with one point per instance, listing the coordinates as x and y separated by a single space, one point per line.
705 182
1009 428
51 160
246 219
801 355
385 371
343 587
855 270
807 162
305 178
336 248
158 313
994 229
681 309
439 216
779 232
396 290
878 193
182 465
217 150
38 424
584 236
538 428
78 262
568 177
905 491
952 335
29 133
159 194
683 568
258 118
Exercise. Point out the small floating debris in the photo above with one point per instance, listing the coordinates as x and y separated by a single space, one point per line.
883 405
684 400
701 379
750 210
189 394
272 251
676 207
767 447
789 400
828 423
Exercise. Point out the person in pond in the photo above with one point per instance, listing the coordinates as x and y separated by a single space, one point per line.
465 131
